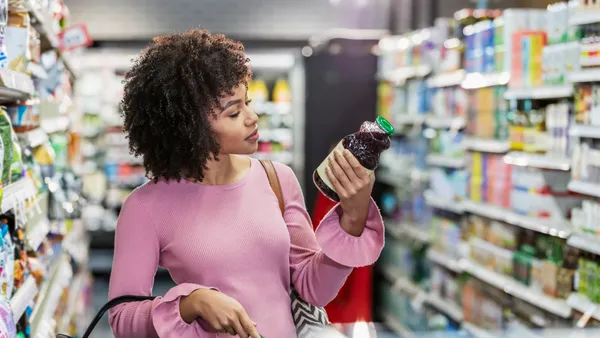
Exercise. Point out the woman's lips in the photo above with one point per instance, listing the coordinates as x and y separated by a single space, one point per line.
253 136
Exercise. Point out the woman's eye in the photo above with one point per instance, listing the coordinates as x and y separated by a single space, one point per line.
233 116
248 101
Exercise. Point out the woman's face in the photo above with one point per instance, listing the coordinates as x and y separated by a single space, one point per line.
235 124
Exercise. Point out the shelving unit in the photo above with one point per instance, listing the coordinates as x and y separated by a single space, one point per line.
437 160
436 122
435 202
585 242
550 227
583 305
444 260
538 161
445 306
585 188
516 289
25 295
391 321
446 80
487 146
547 92
587 131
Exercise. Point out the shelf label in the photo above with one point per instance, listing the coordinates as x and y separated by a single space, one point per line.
76 36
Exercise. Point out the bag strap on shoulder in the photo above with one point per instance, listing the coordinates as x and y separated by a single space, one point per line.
274 182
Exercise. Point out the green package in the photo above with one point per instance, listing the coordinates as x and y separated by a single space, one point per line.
7 146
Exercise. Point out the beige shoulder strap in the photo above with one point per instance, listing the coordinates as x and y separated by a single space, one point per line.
274 182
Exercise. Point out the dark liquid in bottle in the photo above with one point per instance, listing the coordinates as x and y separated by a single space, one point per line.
366 145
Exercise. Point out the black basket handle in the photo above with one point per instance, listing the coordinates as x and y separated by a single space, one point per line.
112 303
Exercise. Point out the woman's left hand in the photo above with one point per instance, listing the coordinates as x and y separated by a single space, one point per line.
353 185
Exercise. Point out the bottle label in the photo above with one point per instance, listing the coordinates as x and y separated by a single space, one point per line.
325 164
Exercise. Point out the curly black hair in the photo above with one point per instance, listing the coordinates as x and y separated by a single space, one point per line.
169 94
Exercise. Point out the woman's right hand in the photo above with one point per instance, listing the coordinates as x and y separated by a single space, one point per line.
223 313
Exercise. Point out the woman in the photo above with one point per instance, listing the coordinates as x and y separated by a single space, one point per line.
208 214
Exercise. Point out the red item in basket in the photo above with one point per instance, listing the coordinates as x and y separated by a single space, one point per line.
354 302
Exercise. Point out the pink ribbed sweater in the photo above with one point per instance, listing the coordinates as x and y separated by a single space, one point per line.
231 238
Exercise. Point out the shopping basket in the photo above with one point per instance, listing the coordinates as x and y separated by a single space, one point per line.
113 302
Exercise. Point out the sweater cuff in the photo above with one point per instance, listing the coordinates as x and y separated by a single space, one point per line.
349 250
166 317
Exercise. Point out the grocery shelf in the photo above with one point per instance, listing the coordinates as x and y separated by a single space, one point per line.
585 75
402 230
446 79
523 159
556 306
74 294
34 138
396 326
585 242
438 160
476 331
436 122
586 131
482 80
582 17
447 307
24 295
35 233
18 192
444 260
43 314
585 188
582 304
14 86
545 226
55 125
449 205
487 146
401 283
544 92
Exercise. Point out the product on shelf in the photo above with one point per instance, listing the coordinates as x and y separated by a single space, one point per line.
366 145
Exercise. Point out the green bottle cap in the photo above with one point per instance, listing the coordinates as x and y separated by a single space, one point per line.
385 125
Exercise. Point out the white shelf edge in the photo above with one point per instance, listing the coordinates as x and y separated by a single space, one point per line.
581 304
585 242
486 146
585 188
436 122
580 17
396 326
34 138
24 295
404 120
587 131
544 92
438 160
18 192
518 290
445 306
35 234
483 80
550 227
44 312
401 283
523 159
585 75
444 260
454 78
435 202
55 125
74 294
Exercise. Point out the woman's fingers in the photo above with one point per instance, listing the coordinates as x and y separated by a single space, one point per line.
339 172
340 158
358 169
337 186
249 326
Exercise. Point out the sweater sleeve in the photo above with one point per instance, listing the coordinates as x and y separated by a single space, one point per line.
136 258
320 262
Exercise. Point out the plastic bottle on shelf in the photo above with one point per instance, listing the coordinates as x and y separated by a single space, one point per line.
260 93
282 92
366 145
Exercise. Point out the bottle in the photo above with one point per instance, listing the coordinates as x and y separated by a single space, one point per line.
366 145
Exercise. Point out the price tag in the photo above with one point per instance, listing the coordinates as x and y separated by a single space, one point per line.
74 37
